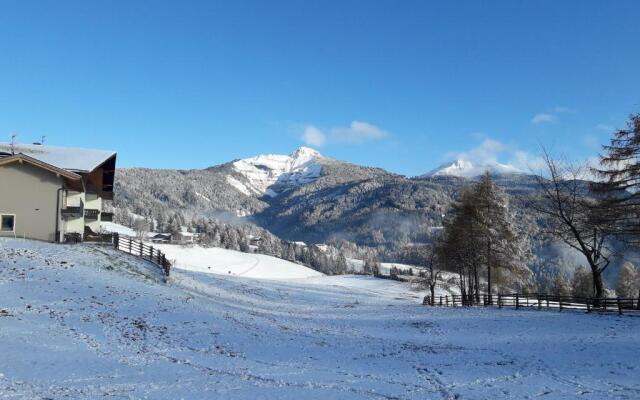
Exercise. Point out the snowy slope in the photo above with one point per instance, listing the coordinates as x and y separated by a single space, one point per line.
467 169
84 322
112 227
222 261
264 171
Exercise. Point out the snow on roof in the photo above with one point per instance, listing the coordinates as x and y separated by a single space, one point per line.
117 228
69 158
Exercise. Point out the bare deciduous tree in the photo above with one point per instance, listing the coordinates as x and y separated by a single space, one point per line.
572 216
426 256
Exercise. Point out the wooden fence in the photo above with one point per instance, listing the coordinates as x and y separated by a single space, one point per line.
538 302
142 250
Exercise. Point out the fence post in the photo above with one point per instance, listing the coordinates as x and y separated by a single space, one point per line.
619 307
151 253
539 303
560 302
447 300
499 300
440 301
588 305
517 301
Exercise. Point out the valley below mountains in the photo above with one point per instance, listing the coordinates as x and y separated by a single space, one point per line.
307 197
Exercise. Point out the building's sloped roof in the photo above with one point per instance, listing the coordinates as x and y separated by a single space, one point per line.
52 168
69 158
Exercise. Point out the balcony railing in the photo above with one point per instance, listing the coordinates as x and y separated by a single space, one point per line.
91 213
72 212
106 216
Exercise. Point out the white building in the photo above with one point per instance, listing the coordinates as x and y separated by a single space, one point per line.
54 193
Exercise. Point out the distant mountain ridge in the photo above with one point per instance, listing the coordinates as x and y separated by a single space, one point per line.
467 169
308 197
303 196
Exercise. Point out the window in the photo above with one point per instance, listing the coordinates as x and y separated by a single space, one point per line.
7 222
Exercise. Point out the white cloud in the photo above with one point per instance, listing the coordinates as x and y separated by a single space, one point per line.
605 128
357 132
543 118
527 162
313 136
492 152
563 109
551 117
587 169
590 140
485 153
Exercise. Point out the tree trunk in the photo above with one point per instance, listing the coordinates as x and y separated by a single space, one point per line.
597 283
477 284
489 282
432 289
470 284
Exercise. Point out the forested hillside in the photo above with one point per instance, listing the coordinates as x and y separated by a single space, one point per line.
361 212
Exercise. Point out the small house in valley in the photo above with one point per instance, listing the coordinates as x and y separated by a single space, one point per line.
185 237
156 237
255 241
54 193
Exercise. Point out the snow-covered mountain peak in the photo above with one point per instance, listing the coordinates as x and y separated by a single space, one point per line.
304 154
467 169
264 174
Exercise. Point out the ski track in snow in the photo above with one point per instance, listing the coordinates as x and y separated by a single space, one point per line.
86 322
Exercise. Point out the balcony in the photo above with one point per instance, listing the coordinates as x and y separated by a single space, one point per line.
91 213
106 217
107 194
72 212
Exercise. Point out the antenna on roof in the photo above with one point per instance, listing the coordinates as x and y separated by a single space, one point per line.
41 142
13 142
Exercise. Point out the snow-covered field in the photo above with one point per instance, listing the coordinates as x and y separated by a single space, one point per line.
112 227
86 322
221 261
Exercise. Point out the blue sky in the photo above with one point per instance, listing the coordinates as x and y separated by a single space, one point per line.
400 85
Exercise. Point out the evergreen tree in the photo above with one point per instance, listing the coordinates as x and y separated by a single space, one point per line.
628 285
505 248
582 283
480 235
620 185
560 286
341 264
460 247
